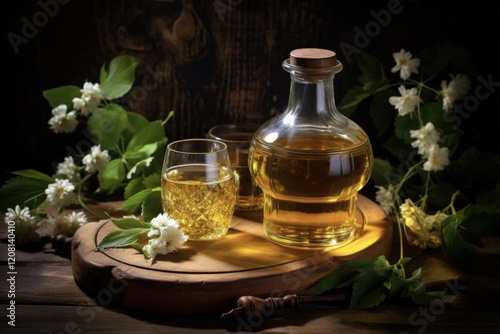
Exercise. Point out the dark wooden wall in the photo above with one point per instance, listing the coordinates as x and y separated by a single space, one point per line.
213 61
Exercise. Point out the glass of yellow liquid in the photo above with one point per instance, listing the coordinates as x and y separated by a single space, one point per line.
198 187
238 137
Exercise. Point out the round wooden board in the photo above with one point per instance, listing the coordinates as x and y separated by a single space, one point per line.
209 276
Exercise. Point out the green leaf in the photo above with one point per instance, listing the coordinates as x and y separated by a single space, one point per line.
134 202
144 152
451 140
397 286
117 79
416 290
139 167
133 187
430 112
403 125
398 148
479 221
137 247
153 180
339 277
381 266
112 177
129 222
433 112
122 238
106 126
381 112
490 201
352 99
418 294
464 229
373 281
368 290
454 246
153 133
23 191
34 174
439 195
135 123
156 165
404 260
383 173
152 205
370 66
476 170
62 95
448 57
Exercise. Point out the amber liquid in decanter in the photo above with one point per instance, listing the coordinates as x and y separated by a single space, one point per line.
310 174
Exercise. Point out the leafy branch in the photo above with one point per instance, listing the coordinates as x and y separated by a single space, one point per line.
432 196
125 158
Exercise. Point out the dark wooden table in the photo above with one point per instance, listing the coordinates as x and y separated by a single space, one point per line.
47 300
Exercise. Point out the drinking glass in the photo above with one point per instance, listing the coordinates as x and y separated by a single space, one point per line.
238 138
198 187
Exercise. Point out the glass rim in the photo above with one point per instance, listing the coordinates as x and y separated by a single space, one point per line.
235 125
222 148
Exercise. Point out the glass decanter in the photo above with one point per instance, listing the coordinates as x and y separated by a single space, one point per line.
311 160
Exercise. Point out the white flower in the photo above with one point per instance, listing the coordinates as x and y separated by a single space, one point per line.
437 158
448 96
78 103
68 224
460 84
427 136
19 215
60 193
407 102
405 64
24 224
96 160
68 168
90 99
458 87
385 198
164 237
422 230
63 121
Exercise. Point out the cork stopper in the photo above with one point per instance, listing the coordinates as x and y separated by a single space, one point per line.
315 58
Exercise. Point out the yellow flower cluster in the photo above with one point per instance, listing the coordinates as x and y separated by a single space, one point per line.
422 230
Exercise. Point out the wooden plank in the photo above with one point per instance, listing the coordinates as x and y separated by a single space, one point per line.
389 318
45 283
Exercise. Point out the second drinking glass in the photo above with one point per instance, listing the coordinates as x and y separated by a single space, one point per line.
238 137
